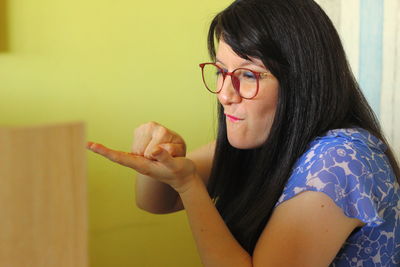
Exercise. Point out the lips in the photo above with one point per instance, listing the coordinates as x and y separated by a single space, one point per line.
233 118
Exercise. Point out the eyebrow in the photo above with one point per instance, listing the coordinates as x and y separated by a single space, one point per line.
247 62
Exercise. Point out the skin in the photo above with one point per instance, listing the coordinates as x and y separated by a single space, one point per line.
256 114
307 230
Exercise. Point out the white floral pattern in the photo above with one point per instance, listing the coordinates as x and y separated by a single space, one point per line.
349 165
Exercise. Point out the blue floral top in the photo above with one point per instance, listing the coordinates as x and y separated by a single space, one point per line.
349 165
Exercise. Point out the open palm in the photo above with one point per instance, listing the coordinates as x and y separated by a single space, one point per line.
175 171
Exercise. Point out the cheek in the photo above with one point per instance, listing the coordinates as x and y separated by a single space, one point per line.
264 114
264 109
261 125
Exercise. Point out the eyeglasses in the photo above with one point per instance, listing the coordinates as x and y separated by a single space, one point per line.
245 81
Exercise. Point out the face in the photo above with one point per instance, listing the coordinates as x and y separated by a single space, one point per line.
248 121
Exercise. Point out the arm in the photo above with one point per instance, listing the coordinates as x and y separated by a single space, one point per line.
215 243
160 198
307 230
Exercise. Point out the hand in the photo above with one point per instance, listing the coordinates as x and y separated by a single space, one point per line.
150 136
154 158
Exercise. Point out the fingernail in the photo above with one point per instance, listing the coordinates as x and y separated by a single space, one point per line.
89 145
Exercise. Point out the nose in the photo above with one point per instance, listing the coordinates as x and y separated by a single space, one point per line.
228 94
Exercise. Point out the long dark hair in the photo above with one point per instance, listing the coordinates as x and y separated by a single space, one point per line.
298 43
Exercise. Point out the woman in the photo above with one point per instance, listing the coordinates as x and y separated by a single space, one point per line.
300 173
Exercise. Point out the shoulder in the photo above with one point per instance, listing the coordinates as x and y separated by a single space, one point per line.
344 164
307 230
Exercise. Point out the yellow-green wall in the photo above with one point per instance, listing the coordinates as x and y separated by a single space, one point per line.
115 65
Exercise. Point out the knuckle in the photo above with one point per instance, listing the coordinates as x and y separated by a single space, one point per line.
144 127
162 131
152 124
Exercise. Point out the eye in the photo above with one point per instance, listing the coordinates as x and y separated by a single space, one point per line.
247 75
220 71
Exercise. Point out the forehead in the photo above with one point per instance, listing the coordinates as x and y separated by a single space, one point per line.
226 55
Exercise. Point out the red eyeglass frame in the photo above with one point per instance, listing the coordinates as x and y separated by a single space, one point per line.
235 80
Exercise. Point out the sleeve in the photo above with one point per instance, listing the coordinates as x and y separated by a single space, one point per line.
343 170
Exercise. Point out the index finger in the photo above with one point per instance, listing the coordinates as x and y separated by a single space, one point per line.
124 158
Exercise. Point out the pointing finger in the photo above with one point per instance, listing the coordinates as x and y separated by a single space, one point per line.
130 160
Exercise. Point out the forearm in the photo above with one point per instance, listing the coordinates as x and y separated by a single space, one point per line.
215 243
154 196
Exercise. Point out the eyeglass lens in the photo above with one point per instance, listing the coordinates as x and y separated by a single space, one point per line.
243 80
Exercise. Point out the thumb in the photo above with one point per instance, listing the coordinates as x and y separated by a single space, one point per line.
162 156
175 150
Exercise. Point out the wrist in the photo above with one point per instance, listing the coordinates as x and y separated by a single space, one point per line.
192 181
